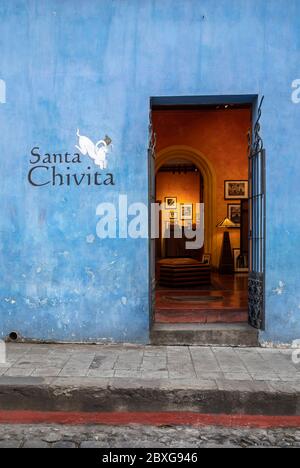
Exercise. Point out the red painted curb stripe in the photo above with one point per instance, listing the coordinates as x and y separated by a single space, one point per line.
153 419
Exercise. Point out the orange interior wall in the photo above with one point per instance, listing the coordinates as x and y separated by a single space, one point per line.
220 135
186 187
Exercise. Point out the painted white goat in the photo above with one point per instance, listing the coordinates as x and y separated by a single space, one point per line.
98 152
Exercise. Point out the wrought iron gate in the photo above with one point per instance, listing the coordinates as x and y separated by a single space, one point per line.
257 227
151 184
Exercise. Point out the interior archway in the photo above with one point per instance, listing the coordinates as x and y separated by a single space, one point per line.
209 179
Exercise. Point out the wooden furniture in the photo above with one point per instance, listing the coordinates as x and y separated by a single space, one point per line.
176 248
183 273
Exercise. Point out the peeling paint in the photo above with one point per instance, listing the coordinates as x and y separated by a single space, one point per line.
90 239
64 254
90 273
280 289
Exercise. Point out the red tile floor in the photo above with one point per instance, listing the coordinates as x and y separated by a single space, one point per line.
224 302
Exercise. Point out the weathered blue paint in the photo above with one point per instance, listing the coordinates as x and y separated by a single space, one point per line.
93 65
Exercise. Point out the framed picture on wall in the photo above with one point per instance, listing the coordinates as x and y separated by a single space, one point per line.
206 258
235 189
234 214
171 203
186 212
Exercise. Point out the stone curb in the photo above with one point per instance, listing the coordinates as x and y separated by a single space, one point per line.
124 395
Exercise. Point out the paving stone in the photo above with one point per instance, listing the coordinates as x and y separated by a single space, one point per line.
254 362
180 362
265 376
290 378
210 375
78 364
18 348
74 372
133 374
55 359
3 370
30 362
64 444
154 360
93 445
105 360
229 361
36 353
46 372
204 360
10 444
129 359
103 373
38 348
237 376
156 374
9 362
281 363
19 372
52 436
33 444
154 364
242 386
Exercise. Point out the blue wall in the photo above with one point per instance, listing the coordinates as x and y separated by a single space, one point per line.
93 65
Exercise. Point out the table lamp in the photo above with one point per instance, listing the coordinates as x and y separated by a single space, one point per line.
226 259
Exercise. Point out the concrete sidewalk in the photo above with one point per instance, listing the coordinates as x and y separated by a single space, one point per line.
95 378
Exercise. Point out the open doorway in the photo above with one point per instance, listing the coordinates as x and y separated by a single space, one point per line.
201 158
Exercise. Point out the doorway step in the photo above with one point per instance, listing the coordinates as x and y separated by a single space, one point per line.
197 312
200 316
199 334
196 306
